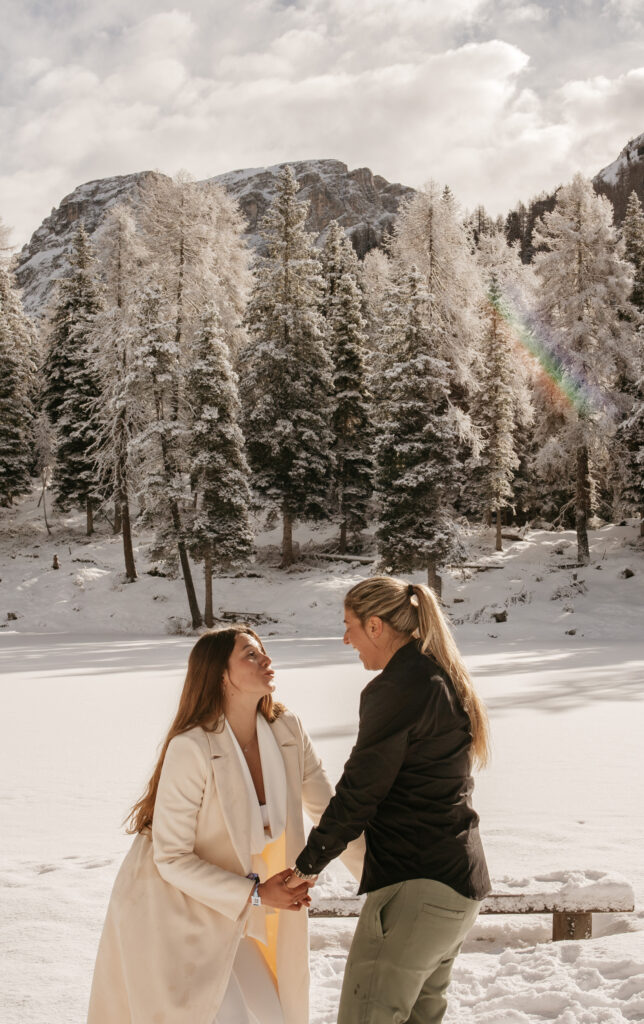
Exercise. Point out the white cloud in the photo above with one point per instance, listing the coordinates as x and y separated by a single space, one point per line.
488 96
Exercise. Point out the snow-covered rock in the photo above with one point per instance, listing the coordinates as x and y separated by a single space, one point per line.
365 204
623 176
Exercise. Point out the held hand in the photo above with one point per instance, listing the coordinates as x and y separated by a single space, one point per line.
275 892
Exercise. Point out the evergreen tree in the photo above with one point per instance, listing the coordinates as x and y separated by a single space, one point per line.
630 434
154 384
431 236
221 533
418 447
585 288
287 385
502 403
351 420
72 387
352 423
17 382
337 257
633 234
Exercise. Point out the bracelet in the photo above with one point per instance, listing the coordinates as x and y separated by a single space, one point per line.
255 898
300 874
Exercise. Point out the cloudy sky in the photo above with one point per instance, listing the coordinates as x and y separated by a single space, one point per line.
497 98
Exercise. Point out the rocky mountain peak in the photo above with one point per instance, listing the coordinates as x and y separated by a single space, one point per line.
363 203
623 176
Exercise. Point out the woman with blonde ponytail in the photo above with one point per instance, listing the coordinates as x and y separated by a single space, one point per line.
407 786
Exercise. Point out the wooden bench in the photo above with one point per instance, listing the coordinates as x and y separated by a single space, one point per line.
571 899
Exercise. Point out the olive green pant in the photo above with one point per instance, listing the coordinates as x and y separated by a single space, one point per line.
400 962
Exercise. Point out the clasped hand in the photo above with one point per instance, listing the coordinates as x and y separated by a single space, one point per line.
284 891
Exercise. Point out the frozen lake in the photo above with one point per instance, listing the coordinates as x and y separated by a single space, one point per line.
80 721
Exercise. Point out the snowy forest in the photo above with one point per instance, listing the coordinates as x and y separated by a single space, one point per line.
183 382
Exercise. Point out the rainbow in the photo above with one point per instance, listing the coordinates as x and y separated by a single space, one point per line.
557 366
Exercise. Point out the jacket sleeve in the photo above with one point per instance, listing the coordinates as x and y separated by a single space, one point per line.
374 763
174 824
317 791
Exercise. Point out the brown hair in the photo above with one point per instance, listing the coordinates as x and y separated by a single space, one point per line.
201 703
412 609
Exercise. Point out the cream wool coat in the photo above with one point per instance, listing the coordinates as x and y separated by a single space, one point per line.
180 900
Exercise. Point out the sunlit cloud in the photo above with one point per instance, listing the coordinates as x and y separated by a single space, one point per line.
486 95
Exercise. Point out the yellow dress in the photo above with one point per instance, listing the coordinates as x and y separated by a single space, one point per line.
252 995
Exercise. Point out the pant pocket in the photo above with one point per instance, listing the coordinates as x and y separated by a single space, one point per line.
386 909
450 915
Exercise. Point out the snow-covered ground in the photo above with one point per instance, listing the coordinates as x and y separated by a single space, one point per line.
90 678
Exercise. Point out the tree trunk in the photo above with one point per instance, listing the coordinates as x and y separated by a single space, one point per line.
121 504
43 498
187 579
434 581
128 550
582 505
89 508
176 523
207 571
343 537
287 541
488 517
499 545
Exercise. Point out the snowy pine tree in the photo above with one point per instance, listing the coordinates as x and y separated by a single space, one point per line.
418 446
584 301
72 387
353 430
221 534
337 257
502 403
154 384
633 235
630 434
286 384
17 384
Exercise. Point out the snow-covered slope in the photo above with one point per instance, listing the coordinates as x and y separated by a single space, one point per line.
365 204
534 580
89 683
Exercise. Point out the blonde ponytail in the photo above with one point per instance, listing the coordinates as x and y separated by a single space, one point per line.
412 609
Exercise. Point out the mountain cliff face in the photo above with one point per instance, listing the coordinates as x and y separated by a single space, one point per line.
623 176
43 258
363 203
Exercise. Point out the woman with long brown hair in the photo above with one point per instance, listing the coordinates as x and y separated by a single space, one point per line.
201 927
407 785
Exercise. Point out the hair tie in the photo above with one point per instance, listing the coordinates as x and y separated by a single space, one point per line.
411 594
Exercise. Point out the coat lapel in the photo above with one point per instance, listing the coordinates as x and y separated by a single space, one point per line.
232 793
291 752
